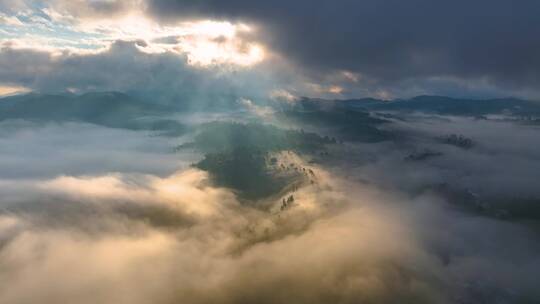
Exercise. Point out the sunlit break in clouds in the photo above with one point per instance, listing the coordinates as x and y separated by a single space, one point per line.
241 151
204 42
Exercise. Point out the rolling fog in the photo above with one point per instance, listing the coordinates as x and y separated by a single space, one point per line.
120 216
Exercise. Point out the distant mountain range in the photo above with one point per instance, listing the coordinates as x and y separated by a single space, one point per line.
114 109
435 105
111 109
98 107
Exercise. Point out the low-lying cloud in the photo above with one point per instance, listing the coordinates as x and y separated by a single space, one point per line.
140 238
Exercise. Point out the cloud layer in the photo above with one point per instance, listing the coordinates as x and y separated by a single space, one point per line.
387 49
134 233
392 41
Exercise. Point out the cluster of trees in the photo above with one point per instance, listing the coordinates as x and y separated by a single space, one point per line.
459 141
227 136
422 155
287 202
351 125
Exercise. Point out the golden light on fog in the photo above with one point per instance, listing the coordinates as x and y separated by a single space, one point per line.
335 89
10 90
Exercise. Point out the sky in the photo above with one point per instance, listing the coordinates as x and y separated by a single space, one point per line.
341 49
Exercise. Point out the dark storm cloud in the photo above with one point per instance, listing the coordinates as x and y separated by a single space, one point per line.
392 40
122 67
126 67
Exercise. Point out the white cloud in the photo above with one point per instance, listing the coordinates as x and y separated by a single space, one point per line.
95 25
261 111
283 95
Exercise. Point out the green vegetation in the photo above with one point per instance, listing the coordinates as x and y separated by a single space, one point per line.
219 137
244 170
110 109
237 155
350 124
